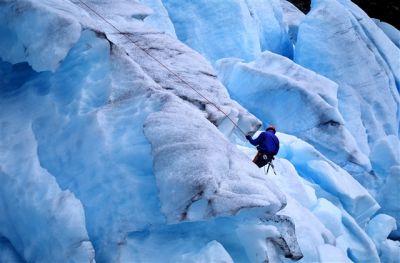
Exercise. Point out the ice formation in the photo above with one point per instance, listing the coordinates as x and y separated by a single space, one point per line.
234 28
292 17
392 32
368 97
310 110
120 142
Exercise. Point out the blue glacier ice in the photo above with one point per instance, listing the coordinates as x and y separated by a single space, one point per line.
292 17
326 212
234 28
159 18
122 130
379 228
368 96
310 110
392 32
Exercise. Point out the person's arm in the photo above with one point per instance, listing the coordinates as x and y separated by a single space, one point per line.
256 141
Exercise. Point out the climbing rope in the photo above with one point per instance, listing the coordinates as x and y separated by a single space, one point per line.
163 65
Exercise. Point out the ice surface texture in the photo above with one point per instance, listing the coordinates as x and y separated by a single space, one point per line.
390 31
26 38
369 98
85 163
232 28
295 100
292 17
322 208
208 175
106 155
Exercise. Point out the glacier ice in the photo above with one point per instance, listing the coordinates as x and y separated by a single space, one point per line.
85 111
328 253
390 31
8 253
26 38
292 17
368 96
188 73
205 168
379 229
330 178
310 110
33 208
390 196
324 219
159 18
199 25
241 238
389 147
108 155
234 28
212 252
329 215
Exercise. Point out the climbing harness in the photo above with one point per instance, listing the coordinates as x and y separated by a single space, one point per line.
162 64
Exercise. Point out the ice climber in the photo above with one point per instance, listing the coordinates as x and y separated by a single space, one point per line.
267 145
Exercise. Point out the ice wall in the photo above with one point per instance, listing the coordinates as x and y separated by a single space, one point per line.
292 17
21 30
368 96
295 100
108 155
337 40
80 115
392 32
327 205
159 18
33 208
208 176
233 28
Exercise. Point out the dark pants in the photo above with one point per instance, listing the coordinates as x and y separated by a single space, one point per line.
261 159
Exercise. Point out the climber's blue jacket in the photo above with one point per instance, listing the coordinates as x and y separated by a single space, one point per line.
266 142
